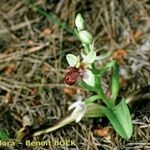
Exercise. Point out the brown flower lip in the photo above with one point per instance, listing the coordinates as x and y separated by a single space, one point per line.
72 75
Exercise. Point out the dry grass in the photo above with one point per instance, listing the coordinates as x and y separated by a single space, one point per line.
32 65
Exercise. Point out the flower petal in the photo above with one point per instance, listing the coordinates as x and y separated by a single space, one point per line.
89 77
72 60
90 58
79 112
80 116
74 105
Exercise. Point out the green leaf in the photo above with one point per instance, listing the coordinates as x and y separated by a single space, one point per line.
95 110
3 136
120 118
115 82
92 99
104 68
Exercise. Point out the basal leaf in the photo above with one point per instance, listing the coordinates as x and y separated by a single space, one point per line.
120 118
95 110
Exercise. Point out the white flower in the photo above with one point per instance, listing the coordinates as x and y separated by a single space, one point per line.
74 61
79 110
89 58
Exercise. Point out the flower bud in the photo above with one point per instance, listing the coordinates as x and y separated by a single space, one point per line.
79 22
86 37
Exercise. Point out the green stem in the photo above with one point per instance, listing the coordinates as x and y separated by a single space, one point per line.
100 92
114 83
104 98
86 48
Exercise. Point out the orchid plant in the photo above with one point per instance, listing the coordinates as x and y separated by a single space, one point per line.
83 71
